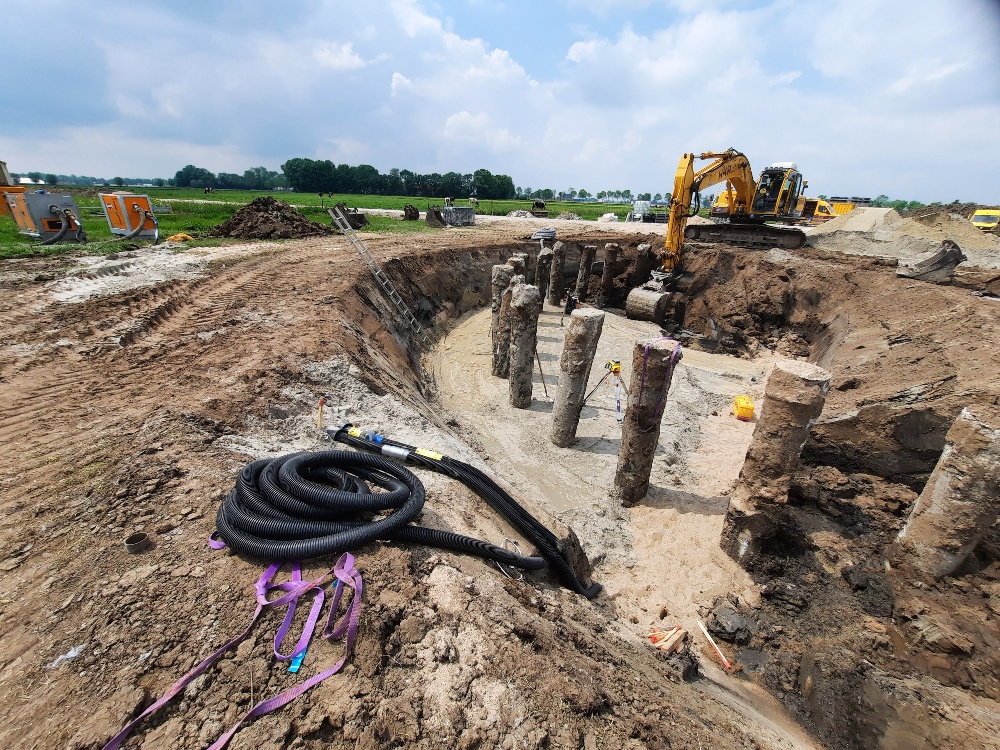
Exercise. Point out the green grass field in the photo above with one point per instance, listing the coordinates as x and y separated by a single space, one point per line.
195 213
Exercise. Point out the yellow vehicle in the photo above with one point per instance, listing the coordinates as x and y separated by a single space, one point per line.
811 210
749 203
843 206
987 219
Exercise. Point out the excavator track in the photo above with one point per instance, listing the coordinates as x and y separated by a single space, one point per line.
747 235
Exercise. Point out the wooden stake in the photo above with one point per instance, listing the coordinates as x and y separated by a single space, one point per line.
718 650
540 372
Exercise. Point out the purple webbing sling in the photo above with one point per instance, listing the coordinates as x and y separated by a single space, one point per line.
344 575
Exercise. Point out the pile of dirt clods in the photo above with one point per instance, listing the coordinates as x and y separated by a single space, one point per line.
265 218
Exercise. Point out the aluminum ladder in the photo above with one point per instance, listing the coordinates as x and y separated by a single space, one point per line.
340 221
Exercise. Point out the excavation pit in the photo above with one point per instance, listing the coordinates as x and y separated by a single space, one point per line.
150 390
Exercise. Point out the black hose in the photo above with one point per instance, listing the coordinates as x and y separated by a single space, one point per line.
306 505
497 498
143 217
63 226
138 228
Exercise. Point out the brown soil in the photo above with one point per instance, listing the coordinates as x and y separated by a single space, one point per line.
266 218
133 410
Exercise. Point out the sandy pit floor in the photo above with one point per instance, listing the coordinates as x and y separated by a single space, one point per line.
701 451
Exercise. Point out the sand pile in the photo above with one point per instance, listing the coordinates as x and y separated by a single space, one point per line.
859 220
883 232
268 219
945 225
965 210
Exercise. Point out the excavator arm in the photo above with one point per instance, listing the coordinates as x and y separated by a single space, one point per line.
731 167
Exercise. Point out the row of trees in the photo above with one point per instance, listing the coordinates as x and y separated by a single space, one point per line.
313 176
255 178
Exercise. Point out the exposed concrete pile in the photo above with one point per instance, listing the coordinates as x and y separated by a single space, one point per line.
653 364
575 363
960 501
265 218
796 392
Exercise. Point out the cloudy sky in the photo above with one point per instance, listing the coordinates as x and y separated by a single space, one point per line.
900 97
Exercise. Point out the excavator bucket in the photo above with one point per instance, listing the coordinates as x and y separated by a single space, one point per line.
354 218
434 218
410 212
937 269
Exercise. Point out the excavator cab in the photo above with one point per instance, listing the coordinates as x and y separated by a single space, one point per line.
778 191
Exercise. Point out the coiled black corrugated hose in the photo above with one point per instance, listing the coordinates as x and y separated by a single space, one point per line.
486 488
306 505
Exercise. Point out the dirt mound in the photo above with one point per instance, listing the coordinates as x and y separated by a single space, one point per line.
265 218
568 215
859 220
945 225
883 232
964 210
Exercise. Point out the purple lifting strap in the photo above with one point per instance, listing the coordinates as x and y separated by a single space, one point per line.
344 574
675 355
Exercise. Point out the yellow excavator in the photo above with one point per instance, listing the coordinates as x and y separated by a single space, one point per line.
775 196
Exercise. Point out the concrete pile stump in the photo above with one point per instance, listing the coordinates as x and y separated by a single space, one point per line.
960 501
793 400
653 364
543 267
645 263
583 275
529 266
525 307
501 345
518 262
611 252
579 350
499 281
556 273
647 304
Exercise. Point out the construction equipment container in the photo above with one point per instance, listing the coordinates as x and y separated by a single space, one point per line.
45 216
130 216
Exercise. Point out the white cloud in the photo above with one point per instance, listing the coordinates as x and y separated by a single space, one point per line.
412 20
338 56
496 64
479 129
344 151
399 83
925 72
112 151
